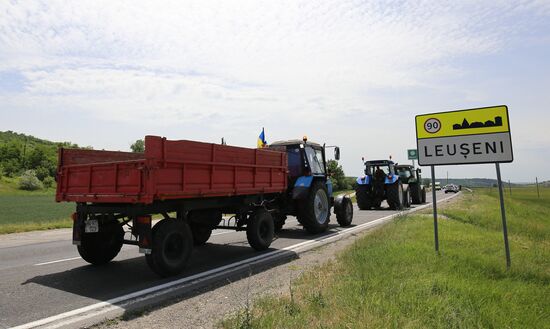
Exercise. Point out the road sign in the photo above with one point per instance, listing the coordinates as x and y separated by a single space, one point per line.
479 135
412 154
463 137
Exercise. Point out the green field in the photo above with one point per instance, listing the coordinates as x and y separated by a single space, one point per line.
393 279
22 211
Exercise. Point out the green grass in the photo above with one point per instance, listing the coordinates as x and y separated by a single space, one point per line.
392 278
22 211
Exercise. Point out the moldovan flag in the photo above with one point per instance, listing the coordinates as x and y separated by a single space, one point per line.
261 140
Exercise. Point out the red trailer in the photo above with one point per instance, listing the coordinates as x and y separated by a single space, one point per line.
169 170
191 184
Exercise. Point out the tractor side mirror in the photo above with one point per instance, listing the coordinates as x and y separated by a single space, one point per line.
337 153
419 170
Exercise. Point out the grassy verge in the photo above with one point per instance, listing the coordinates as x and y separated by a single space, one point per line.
393 279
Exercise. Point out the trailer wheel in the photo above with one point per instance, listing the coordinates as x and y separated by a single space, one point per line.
260 230
201 233
101 247
395 196
315 210
171 249
344 215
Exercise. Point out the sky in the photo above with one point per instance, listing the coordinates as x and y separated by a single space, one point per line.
346 73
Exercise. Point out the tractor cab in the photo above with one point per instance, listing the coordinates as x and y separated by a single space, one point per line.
305 159
382 171
407 173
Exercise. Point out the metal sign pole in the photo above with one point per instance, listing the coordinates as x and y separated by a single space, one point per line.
434 203
503 213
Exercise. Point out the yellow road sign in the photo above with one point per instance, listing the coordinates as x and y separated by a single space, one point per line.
464 122
464 137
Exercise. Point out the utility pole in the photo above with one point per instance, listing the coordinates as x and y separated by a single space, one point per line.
537 181
510 187
447 178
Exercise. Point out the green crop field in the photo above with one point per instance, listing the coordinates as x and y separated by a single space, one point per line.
22 211
392 278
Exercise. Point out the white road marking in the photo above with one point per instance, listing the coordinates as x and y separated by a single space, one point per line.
93 310
57 261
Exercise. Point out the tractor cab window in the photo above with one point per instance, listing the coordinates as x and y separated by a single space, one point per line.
315 159
295 166
404 173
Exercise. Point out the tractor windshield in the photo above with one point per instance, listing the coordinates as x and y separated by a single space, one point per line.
315 159
404 173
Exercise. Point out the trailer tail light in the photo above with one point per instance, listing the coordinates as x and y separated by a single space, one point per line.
143 230
144 220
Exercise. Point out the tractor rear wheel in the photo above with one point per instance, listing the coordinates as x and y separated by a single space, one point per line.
172 247
395 196
315 209
362 196
260 230
416 193
101 247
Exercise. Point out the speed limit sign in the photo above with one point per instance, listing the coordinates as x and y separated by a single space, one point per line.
432 125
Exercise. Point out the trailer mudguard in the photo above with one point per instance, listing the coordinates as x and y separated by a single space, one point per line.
365 180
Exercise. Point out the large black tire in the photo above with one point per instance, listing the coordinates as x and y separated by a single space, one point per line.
416 193
314 212
201 233
172 247
260 230
395 196
362 196
101 247
407 199
344 214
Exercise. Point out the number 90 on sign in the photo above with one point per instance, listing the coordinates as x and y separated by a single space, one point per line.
432 125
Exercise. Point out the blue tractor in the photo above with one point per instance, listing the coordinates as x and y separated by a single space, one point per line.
309 194
381 182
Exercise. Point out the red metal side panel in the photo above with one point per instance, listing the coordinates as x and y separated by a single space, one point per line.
193 169
100 176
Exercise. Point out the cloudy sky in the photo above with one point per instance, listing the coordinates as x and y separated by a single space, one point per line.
351 73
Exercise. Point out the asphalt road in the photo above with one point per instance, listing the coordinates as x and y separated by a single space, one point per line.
43 275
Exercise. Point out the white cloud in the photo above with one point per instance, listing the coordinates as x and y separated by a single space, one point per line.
245 63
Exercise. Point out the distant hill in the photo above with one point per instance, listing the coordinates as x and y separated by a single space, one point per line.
20 152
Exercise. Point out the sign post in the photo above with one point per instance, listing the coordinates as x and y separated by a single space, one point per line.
434 204
470 136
